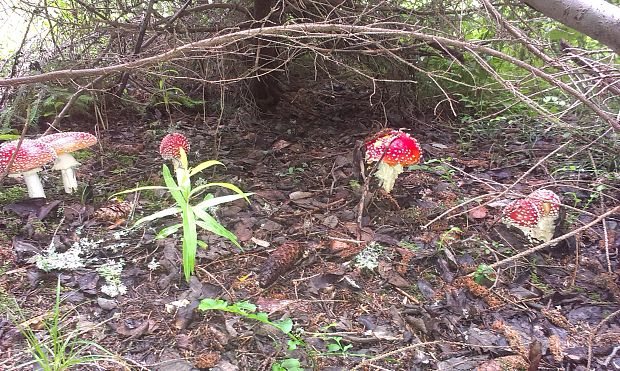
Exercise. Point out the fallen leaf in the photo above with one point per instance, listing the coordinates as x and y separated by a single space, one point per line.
479 212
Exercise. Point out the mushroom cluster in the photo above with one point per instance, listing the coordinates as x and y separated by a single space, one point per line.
28 159
536 215
394 150
34 153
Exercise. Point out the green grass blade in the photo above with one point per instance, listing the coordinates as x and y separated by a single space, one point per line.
210 224
232 187
138 189
174 190
190 238
204 165
165 232
160 214
220 200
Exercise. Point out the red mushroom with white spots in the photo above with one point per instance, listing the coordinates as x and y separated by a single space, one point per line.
170 148
64 144
394 150
30 157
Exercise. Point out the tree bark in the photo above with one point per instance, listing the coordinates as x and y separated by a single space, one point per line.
596 18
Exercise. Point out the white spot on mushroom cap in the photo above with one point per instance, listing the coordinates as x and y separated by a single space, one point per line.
31 155
68 142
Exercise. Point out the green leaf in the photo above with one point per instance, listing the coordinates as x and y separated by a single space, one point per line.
285 325
172 187
213 304
204 165
210 224
232 187
160 214
246 306
190 238
184 163
165 232
220 200
139 189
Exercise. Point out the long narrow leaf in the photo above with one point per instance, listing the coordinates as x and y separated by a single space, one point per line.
139 189
172 187
220 200
204 165
210 224
168 231
232 187
190 243
160 214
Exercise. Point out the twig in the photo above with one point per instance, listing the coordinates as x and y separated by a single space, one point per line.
593 334
554 241
309 30
391 353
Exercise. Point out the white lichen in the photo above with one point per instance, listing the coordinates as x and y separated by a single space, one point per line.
153 264
369 257
111 273
51 260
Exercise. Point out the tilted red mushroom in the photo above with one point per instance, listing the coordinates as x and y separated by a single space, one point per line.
170 148
400 150
64 144
30 157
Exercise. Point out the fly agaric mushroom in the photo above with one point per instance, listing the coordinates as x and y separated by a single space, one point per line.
549 207
30 157
522 214
394 149
170 148
64 144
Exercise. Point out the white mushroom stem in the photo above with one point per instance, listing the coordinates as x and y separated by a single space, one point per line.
65 163
387 175
33 183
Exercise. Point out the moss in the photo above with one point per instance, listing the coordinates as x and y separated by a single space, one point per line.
12 194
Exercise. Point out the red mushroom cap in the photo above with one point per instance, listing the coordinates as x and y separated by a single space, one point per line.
548 202
169 147
69 142
521 213
31 155
403 149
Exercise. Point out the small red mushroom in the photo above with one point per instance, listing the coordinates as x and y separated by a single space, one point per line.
170 148
64 144
394 149
30 157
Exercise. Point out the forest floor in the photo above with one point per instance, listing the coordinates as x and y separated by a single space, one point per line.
388 294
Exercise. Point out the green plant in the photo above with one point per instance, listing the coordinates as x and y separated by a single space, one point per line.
248 310
289 364
335 345
441 168
483 273
192 216
449 236
59 351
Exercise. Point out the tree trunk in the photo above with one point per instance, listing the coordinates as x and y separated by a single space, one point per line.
265 87
596 18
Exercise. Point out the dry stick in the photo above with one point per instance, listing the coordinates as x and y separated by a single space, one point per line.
593 334
554 241
65 110
391 353
306 30
138 45
22 135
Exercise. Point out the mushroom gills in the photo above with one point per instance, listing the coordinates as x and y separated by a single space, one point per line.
387 175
